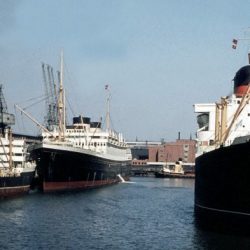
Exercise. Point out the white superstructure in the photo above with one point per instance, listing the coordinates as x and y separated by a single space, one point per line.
90 137
13 156
218 123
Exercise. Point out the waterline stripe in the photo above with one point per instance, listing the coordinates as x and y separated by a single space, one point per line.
14 187
222 210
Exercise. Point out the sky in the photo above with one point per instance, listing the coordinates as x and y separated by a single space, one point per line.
159 58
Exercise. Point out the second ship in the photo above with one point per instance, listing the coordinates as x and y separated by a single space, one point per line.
16 170
222 167
81 155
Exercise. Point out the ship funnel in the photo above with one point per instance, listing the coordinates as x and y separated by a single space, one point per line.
241 81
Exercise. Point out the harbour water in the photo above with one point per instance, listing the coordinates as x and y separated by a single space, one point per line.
148 213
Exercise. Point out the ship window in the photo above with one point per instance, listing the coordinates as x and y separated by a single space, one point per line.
211 142
203 120
17 154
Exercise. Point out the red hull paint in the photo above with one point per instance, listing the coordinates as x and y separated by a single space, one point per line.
241 90
75 185
13 191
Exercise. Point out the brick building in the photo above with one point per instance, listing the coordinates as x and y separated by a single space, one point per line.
143 152
173 151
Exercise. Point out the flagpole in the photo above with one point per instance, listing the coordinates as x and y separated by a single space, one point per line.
108 109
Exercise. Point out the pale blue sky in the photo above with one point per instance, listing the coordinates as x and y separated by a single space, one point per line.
159 57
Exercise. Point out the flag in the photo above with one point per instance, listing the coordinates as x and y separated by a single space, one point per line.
234 45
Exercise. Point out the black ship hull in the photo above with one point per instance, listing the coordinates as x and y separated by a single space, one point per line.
222 187
16 185
62 170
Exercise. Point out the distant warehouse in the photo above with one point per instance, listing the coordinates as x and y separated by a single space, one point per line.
147 151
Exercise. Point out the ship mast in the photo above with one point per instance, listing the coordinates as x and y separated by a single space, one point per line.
10 150
108 109
244 101
221 121
61 103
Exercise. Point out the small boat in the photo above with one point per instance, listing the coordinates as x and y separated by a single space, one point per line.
173 171
16 171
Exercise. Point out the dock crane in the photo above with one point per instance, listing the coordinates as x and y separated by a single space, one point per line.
6 119
51 118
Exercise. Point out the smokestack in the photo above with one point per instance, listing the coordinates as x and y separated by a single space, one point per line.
179 135
249 58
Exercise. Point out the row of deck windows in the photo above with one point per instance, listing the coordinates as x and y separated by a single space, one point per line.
13 154
91 144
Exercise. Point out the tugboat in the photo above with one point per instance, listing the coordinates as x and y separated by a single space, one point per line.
222 166
173 171
78 156
16 172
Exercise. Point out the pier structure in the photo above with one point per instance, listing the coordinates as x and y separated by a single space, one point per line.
149 157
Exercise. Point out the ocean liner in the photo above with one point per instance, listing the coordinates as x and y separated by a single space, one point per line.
16 171
222 166
81 155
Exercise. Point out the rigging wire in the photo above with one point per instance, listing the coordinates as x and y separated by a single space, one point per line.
31 99
17 121
70 106
19 118
33 104
24 128
70 80
21 127
37 100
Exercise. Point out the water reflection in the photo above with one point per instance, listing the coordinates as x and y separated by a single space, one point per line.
213 239
12 211
164 182
151 213
178 182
